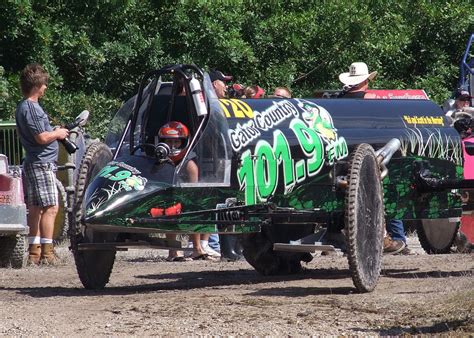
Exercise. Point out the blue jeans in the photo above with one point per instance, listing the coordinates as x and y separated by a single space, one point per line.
214 242
396 230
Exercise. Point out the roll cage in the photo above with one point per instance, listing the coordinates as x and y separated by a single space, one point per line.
466 70
158 102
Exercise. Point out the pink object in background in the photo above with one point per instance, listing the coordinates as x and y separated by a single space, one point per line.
467 220
399 94
468 159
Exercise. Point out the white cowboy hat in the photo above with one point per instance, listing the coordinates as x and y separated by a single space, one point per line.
358 73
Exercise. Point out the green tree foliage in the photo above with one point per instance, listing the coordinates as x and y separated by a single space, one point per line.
97 51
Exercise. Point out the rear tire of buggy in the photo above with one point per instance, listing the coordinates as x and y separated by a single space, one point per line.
364 218
436 236
93 266
258 249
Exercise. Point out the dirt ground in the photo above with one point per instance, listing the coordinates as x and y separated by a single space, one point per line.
147 296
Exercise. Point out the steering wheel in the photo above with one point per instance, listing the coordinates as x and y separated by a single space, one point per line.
144 146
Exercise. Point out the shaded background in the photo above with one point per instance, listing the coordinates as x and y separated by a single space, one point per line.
97 51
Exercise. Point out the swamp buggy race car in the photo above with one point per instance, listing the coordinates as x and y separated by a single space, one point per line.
290 176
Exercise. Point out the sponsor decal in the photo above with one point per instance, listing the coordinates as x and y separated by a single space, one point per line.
433 120
123 178
261 166
236 108
126 176
399 94
245 133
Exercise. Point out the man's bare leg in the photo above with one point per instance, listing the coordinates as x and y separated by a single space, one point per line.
172 254
48 218
198 251
48 255
34 247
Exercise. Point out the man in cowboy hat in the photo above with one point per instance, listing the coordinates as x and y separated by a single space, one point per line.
356 81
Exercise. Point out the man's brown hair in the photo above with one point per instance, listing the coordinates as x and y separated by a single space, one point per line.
31 77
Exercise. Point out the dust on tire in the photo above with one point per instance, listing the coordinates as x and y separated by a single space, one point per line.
364 218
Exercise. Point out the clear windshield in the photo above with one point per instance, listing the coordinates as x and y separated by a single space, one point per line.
211 149
120 120
118 124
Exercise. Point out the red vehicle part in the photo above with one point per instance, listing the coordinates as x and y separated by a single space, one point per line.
13 228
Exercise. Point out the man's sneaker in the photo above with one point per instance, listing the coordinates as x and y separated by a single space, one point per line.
48 255
392 247
210 251
34 254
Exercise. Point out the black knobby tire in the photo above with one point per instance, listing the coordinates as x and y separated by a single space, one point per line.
13 251
62 235
258 249
437 236
93 266
364 218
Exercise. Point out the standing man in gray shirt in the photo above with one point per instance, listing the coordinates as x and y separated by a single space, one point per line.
39 167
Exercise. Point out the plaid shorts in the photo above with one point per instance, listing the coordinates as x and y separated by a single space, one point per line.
39 184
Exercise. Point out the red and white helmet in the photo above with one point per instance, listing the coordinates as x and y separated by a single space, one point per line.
175 130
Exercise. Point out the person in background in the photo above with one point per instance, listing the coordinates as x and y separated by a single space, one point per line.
356 81
356 84
282 92
463 122
463 113
462 105
253 92
462 99
39 140
236 91
218 80
223 244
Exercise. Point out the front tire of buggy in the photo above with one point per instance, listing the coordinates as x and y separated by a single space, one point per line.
93 266
364 218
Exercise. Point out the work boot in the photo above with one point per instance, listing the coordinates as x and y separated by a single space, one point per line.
230 247
406 252
34 254
48 255
392 247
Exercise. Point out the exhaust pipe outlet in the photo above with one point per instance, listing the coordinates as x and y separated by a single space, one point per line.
385 153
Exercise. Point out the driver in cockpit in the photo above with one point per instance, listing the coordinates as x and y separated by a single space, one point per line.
176 136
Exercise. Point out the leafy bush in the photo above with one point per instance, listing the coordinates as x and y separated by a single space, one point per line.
97 52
